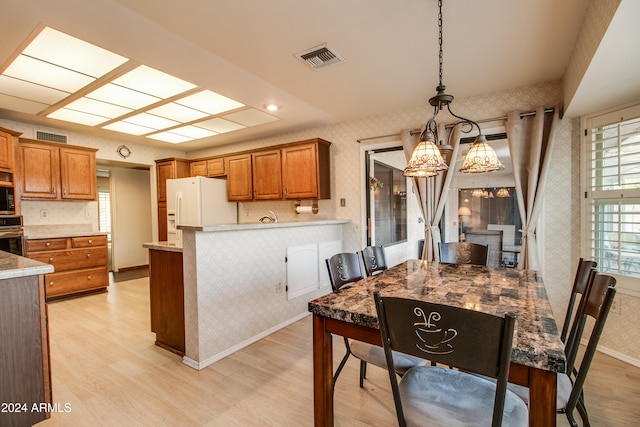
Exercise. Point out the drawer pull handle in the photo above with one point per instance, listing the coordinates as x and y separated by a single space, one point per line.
90 241
88 255
51 259
89 277
51 283
48 244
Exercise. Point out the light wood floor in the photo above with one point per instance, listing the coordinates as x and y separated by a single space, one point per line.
105 366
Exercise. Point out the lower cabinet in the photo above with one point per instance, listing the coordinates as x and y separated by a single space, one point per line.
80 263
25 375
166 297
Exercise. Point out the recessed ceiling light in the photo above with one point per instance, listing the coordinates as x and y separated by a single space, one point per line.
272 107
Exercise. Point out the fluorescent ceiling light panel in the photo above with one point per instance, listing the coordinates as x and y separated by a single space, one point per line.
250 117
173 138
99 108
30 91
148 80
178 112
122 96
151 121
193 132
77 117
129 128
210 102
45 74
219 125
61 49
22 105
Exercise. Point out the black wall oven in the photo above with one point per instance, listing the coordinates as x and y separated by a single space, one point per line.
11 234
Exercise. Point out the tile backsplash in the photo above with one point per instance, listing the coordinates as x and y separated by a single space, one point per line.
60 213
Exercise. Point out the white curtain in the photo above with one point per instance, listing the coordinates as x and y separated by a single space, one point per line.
432 192
531 140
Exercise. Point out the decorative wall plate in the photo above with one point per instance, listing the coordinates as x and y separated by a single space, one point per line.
124 151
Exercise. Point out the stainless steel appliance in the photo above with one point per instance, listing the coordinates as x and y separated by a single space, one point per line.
11 234
7 204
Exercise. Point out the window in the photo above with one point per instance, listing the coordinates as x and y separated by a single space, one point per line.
389 188
613 191
104 213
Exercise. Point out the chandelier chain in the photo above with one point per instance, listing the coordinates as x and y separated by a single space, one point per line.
440 55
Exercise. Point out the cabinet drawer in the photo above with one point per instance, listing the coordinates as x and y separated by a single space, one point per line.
57 284
46 245
87 242
73 259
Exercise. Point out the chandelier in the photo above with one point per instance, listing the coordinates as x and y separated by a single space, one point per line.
426 160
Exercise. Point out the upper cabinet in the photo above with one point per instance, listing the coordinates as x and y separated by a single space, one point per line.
299 170
306 170
50 171
168 169
7 140
212 168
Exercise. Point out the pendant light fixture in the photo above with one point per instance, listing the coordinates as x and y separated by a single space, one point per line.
427 159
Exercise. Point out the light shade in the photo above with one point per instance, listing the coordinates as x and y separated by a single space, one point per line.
464 211
426 160
481 158
502 192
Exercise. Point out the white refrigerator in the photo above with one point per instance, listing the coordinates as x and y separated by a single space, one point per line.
197 201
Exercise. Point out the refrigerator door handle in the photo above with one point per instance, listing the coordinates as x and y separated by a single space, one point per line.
178 207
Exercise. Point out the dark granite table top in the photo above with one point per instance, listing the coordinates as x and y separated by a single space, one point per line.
490 290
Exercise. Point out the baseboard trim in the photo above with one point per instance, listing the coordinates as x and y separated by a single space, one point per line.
619 356
200 365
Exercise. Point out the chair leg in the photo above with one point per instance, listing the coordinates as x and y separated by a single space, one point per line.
363 372
340 366
582 410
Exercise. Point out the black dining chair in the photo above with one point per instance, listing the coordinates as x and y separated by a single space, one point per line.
345 268
374 259
455 336
595 305
463 253
580 283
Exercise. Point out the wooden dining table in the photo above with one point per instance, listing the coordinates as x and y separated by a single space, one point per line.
537 353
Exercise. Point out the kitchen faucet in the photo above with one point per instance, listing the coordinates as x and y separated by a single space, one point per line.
269 218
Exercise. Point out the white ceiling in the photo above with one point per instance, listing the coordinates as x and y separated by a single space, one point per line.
244 49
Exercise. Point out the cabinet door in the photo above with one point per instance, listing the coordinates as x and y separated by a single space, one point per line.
267 175
300 171
77 174
164 171
215 167
41 171
198 168
239 185
6 151
162 222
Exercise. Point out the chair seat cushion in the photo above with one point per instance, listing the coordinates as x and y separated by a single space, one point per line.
564 388
375 355
434 396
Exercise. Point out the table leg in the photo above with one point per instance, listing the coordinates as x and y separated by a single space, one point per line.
542 398
322 374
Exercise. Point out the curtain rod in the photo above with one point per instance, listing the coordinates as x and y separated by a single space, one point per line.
417 131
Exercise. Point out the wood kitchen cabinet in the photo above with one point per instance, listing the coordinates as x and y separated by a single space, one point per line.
212 168
56 171
306 170
80 263
25 373
167 169
198 168
166 298
239 178
8 139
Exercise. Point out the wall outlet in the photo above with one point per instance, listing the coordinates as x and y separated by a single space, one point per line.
279 287
44 214
343 202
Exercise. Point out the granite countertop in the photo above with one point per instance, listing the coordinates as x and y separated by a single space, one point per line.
12 266
260 226
164 246
60 230
490 290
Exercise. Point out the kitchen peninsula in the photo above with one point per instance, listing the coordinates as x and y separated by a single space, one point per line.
242 282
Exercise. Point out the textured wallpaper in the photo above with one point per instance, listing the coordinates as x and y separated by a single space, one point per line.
559 233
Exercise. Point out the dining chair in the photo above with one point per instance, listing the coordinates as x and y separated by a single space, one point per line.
580 283
374 260
455 336
595 304
345 268
463 253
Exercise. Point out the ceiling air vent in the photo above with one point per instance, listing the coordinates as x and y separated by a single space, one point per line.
50 137
320 56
